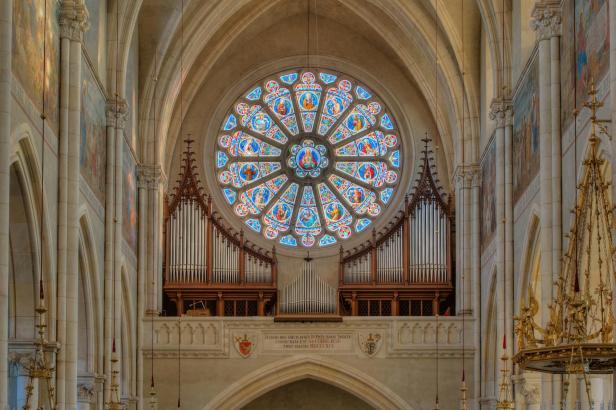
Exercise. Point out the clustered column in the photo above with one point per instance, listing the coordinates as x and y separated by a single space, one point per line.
73 23
547 24
6 15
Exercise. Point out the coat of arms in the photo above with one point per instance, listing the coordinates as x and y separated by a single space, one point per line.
370 343
243 345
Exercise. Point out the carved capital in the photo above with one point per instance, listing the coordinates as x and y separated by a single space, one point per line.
149 176
501 111
21 359
116 112
528 388
546 19
467 176
73 20
85 392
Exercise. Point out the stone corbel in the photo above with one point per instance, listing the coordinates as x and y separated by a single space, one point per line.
546 19
73 19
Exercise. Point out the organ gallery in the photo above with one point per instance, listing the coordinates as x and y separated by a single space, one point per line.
307 204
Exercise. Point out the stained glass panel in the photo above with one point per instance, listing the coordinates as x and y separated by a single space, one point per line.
308 157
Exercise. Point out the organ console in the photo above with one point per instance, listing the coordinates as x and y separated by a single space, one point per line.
407 268
207 266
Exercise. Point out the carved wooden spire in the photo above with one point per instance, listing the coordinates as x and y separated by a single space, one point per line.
188 185
427 185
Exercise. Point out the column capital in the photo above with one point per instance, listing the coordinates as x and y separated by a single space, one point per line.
546 19
116 112
21 359
73 20
467 175
149 176
501 111
529 387
85 392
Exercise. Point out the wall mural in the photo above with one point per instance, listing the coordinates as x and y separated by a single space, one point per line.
526 130
93 149
129 198
590 59
27 64
488 194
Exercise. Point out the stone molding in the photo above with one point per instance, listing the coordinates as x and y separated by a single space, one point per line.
546 19
73 20
398 337
149 176
501 111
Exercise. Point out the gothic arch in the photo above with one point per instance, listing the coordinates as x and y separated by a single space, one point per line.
530 259
300 367
88 281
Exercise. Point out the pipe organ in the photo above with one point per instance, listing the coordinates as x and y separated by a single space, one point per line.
406 269
308 293
207 267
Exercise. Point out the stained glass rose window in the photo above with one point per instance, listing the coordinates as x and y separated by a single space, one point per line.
308 157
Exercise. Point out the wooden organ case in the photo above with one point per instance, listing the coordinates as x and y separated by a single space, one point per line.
406 269
208 269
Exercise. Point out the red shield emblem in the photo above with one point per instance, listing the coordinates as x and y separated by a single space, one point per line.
243 346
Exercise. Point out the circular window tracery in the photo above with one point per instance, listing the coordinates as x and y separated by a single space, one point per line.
308 158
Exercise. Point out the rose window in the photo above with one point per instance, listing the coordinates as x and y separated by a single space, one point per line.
308 158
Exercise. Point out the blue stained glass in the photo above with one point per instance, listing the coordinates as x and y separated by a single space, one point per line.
221 159
230 123
230 195
327 240
254 224
386 195
362 93
254 94
362 224
288 240
327 78
386 122
289 78
394 158
265 170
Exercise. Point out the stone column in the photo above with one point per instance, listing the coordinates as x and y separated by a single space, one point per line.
596 392
147 178
155 183
508 215
497 113
476 277
116 111
18 362
73 23
6 31
530 390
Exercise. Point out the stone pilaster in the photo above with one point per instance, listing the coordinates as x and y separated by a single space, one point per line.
6 31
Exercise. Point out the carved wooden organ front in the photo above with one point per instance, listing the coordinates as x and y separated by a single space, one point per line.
406 269
208 268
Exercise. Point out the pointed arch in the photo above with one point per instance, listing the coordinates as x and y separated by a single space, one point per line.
300 367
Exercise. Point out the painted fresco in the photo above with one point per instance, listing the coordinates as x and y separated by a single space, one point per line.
585 51
28 32
132 71
93 150
488 194
129 198
526 131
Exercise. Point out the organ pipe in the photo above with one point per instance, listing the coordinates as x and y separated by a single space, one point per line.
308 293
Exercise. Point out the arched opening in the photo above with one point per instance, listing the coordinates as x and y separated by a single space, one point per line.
337 375
307 394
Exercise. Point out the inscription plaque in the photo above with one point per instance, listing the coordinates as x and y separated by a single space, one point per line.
308 342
